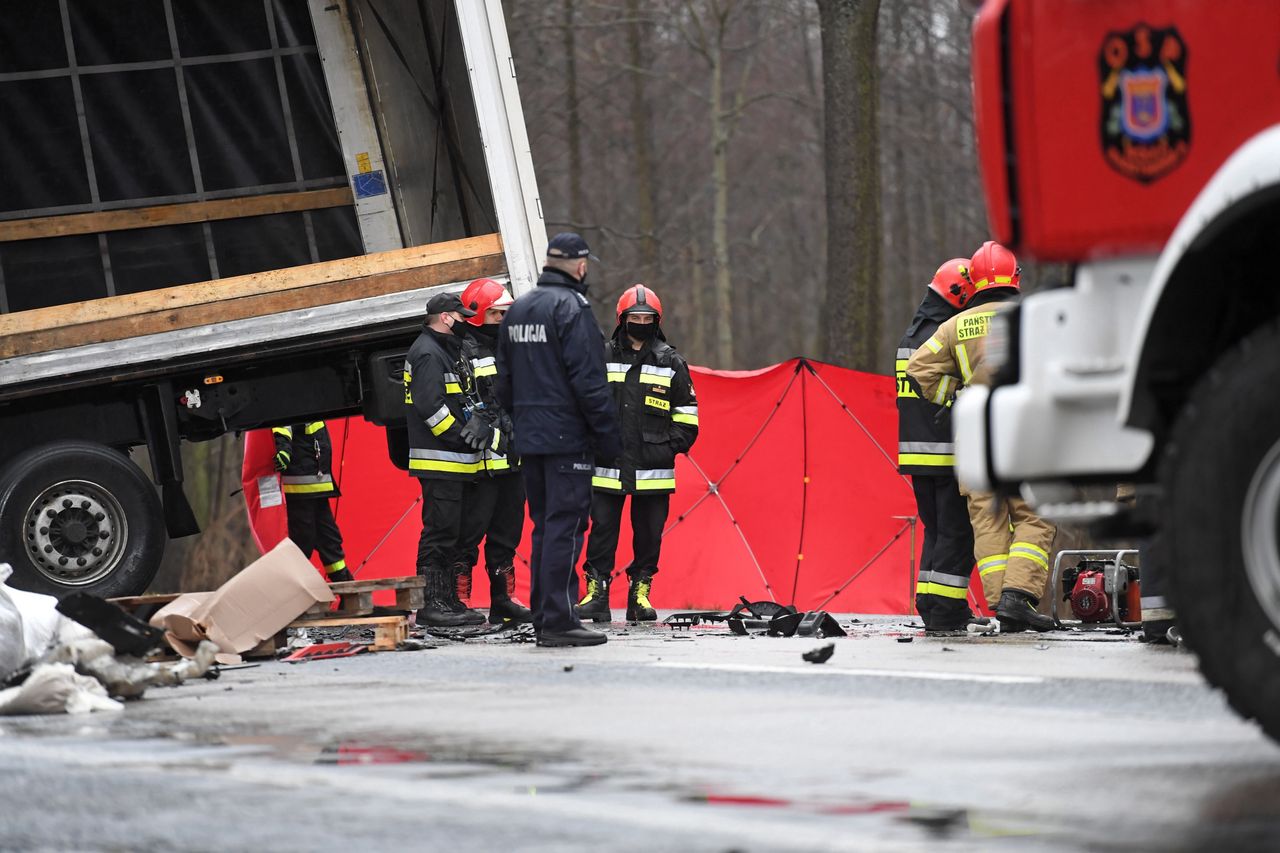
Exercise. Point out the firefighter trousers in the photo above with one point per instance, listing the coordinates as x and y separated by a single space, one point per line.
442 502
946 560
312 527
648 517
1011 545
493 511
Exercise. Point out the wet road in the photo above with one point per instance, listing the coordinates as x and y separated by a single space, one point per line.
670 741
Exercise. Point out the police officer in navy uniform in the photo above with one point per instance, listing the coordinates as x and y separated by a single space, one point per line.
304 457
551 378
447 443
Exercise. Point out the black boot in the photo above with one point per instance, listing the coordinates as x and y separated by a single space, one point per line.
595 604
947 616
1016 611
437 610
462 594
503 606
638 607
340 575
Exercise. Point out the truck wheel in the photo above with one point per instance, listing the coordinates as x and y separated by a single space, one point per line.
76 516
1221 513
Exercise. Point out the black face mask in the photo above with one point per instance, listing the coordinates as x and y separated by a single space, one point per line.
641 331
487 333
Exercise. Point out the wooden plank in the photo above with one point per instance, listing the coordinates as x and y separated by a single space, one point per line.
268 281
185 213
376 584
329 293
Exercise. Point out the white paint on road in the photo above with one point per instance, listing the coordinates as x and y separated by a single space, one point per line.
924 675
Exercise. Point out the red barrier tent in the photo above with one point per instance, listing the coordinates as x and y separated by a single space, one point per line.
790 494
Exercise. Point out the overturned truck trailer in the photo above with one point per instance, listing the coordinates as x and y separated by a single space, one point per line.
225 216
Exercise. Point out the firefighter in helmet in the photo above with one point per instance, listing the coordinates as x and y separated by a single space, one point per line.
927 453
658 416
493 509
1011 543
304 458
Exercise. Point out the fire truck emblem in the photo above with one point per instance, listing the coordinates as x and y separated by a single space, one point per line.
1146 126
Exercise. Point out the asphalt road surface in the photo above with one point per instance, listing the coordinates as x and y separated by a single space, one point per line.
661 740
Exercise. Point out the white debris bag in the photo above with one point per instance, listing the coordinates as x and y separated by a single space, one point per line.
39 623
56 688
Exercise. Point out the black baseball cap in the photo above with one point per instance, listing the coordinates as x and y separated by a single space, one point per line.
443 302
569 245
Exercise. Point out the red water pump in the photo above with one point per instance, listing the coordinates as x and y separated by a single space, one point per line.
1093 598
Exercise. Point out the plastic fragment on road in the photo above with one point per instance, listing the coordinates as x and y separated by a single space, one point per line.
326 651
822 654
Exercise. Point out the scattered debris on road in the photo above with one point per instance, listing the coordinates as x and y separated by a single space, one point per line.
822 654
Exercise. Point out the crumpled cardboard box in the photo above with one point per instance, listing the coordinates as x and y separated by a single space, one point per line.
254 605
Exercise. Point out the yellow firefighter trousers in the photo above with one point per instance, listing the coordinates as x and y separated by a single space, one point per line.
1010 544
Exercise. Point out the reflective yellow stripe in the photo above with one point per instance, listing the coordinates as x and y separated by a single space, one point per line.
287 432
617 377
606 483
944 387
657 403
498 463
962 356
942 589
691 420
934 345
1004 279
487 370
939 459
994 563
452 388
446 467
650 379
335 567
654 485
900 366
308 489
1027 551
444 425
315 427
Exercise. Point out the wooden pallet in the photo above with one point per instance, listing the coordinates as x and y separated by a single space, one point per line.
357 597
388 631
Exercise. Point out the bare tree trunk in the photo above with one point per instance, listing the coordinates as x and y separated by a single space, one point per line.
851 317
720 132
641 130
697 289
574 121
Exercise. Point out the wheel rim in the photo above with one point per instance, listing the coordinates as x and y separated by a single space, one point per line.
75 532
1260 530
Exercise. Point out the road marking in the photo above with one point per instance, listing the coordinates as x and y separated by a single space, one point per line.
925 675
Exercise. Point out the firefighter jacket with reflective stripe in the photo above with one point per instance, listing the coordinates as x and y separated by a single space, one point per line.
436 381
308 450
478 348
924 430
658 410
954 356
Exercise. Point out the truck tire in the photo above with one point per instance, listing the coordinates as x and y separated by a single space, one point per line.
80 517
1220 511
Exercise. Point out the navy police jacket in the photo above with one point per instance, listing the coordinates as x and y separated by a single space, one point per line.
551 375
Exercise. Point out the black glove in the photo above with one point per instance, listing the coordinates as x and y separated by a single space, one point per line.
477 433
282 460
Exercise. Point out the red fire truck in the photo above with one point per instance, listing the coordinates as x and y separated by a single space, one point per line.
1139 142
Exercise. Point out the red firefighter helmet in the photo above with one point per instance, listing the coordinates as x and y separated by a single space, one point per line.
483 294
639 299
994 266
952 283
